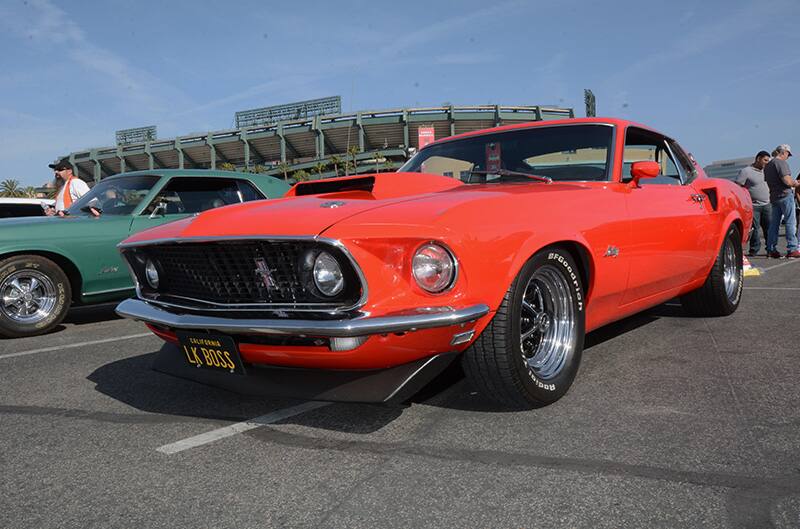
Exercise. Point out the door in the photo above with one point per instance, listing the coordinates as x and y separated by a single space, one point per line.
671 221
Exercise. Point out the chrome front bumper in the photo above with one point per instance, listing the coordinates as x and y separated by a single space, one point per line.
360 326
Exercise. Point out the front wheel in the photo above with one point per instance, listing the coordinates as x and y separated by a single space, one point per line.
721 293
529 354
35 295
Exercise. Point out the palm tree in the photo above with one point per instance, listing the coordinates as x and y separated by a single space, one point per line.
10 188
29 192
353 152
301 175
320 166
335 160
378 157
283 167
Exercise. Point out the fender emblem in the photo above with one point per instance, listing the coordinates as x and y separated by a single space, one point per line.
612 251
263 271
332 204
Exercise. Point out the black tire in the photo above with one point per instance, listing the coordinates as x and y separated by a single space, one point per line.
532 373
26 311
722 291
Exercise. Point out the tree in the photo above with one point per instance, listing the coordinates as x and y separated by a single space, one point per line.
336 160
10 188
378 159
284 168
29 192
320 166
258 169
301 175
353 152
227 166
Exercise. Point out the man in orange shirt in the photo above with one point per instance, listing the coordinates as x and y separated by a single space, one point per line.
73 188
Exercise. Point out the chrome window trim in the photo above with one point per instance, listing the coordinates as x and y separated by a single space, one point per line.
264 306
677 165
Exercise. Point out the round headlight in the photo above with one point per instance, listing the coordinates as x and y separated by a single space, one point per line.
328 275
434 268
151 274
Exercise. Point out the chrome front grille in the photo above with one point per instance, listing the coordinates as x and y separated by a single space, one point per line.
258 274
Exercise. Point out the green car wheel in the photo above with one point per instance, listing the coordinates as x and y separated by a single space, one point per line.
35 295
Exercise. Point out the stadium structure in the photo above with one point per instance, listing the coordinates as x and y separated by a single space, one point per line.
370 140
727 169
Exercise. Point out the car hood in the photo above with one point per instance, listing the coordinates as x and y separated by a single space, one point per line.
49 228
393 197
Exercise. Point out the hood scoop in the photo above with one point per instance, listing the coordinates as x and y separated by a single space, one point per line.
335 186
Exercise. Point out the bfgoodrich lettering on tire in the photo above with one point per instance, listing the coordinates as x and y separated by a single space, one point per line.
35 295
721 293
529 354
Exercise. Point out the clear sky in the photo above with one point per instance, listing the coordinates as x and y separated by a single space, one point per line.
722 77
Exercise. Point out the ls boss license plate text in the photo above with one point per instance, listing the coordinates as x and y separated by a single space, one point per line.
211 351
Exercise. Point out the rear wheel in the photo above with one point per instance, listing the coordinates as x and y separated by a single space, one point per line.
721 293
529 354
35 295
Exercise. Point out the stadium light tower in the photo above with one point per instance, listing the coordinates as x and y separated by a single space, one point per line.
589 100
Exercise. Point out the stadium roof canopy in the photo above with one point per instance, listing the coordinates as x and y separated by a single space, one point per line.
301 143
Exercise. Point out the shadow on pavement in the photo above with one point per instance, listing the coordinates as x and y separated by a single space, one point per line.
92 314
134 382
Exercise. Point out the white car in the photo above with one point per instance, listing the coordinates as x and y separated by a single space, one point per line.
23 207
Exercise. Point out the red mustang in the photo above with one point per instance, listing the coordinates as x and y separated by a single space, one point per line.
501 247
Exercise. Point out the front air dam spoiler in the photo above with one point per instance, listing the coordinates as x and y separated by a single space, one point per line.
392 385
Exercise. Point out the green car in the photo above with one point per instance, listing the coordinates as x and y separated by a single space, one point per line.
49 263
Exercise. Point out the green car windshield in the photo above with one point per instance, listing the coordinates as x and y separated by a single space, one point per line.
557 153
115 196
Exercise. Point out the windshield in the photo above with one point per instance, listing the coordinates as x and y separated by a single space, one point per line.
560 153
115 196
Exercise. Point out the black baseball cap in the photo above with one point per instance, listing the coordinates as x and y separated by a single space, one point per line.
60 165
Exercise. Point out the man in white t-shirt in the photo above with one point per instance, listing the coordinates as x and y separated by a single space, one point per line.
73 188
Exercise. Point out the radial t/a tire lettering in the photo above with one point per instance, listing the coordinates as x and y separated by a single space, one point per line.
529 353
722 291
35 295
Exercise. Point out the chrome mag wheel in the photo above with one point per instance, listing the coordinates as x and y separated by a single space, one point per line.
547 322
730 270
27 296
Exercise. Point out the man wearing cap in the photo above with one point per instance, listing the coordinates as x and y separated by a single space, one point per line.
73 188
781 196
752 179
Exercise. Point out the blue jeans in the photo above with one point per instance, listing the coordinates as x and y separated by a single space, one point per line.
761 216
783 208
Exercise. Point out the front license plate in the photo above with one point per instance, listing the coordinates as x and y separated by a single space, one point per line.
211 351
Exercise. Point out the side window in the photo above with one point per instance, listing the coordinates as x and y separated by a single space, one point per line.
683 160
642 145
20 210
192 195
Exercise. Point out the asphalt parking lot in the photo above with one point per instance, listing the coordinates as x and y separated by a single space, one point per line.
672 422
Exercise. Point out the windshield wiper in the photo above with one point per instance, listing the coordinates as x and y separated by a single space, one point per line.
506 172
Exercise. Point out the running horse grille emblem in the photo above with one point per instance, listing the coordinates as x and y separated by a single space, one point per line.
265 274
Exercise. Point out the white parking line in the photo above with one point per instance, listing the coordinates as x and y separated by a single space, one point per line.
71 345
788 261
239 427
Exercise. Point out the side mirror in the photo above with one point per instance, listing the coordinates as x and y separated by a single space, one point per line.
159 211
641 170
93 204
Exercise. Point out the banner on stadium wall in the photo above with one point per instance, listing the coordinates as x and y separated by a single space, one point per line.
425 135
